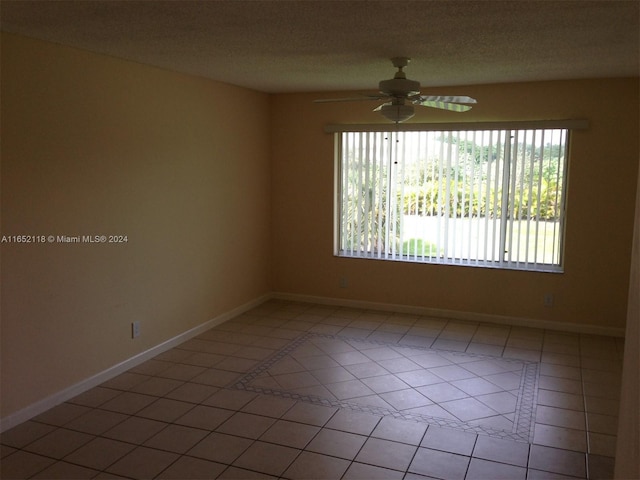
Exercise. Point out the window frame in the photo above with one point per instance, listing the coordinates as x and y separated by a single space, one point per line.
567 125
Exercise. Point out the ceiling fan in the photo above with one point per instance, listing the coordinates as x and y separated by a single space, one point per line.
404 94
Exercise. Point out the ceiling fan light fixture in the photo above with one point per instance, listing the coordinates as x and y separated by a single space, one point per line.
397 113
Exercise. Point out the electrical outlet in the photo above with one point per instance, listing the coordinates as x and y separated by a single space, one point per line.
548 300
135 329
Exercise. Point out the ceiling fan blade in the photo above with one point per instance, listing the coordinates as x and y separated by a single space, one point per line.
379 107
453 107
444 98
378 96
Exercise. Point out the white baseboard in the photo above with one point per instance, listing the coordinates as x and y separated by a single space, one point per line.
57 398
456 315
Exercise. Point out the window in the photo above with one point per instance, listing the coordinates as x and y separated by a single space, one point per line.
493 197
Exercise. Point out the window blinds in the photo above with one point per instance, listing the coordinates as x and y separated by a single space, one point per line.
476 197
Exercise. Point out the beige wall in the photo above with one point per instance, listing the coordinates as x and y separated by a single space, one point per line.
93 145
628 440
603 168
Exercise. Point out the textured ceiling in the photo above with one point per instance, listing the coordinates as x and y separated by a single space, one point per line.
293 46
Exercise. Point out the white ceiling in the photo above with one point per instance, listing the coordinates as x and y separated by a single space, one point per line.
298 45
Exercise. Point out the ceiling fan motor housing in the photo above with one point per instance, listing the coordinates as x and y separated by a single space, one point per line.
400 87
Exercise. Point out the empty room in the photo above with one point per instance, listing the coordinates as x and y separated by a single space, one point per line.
320 240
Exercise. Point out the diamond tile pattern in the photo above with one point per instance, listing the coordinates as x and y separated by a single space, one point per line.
396 379
298 390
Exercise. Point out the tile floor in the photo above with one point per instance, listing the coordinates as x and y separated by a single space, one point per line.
303 391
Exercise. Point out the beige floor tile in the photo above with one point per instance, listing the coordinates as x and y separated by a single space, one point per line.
135 430
398 430
21 464
165 410
128 403
601 444
442 392
560 437
189 468
96 421
143 463
405 399
556 460
506 380
235 364
467 409
310 414
601 467
568 401
501 402
485 349
25 433
201 416
560 371
182 372
58 443
192 392
533 474
560 384
267 458
353 422
95 397
323 467
66 471
349 389
447 439
290 434
434 463
604 406
361 471
560 417
215 377
503 451
126 381
598 423
269 406
151 367
100 453
203 359
220 448
521 354
387 454
230 399
176 438
483 469
246 425
384 383
6 450
61 414
235 473
337 444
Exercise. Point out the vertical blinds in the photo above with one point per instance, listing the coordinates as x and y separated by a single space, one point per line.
479 197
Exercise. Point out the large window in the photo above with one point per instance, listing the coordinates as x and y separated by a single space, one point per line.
478 197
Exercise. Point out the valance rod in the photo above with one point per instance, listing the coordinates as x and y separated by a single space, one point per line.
572 124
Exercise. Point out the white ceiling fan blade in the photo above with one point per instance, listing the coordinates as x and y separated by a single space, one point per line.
378 96
453 107
444 98
379 107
